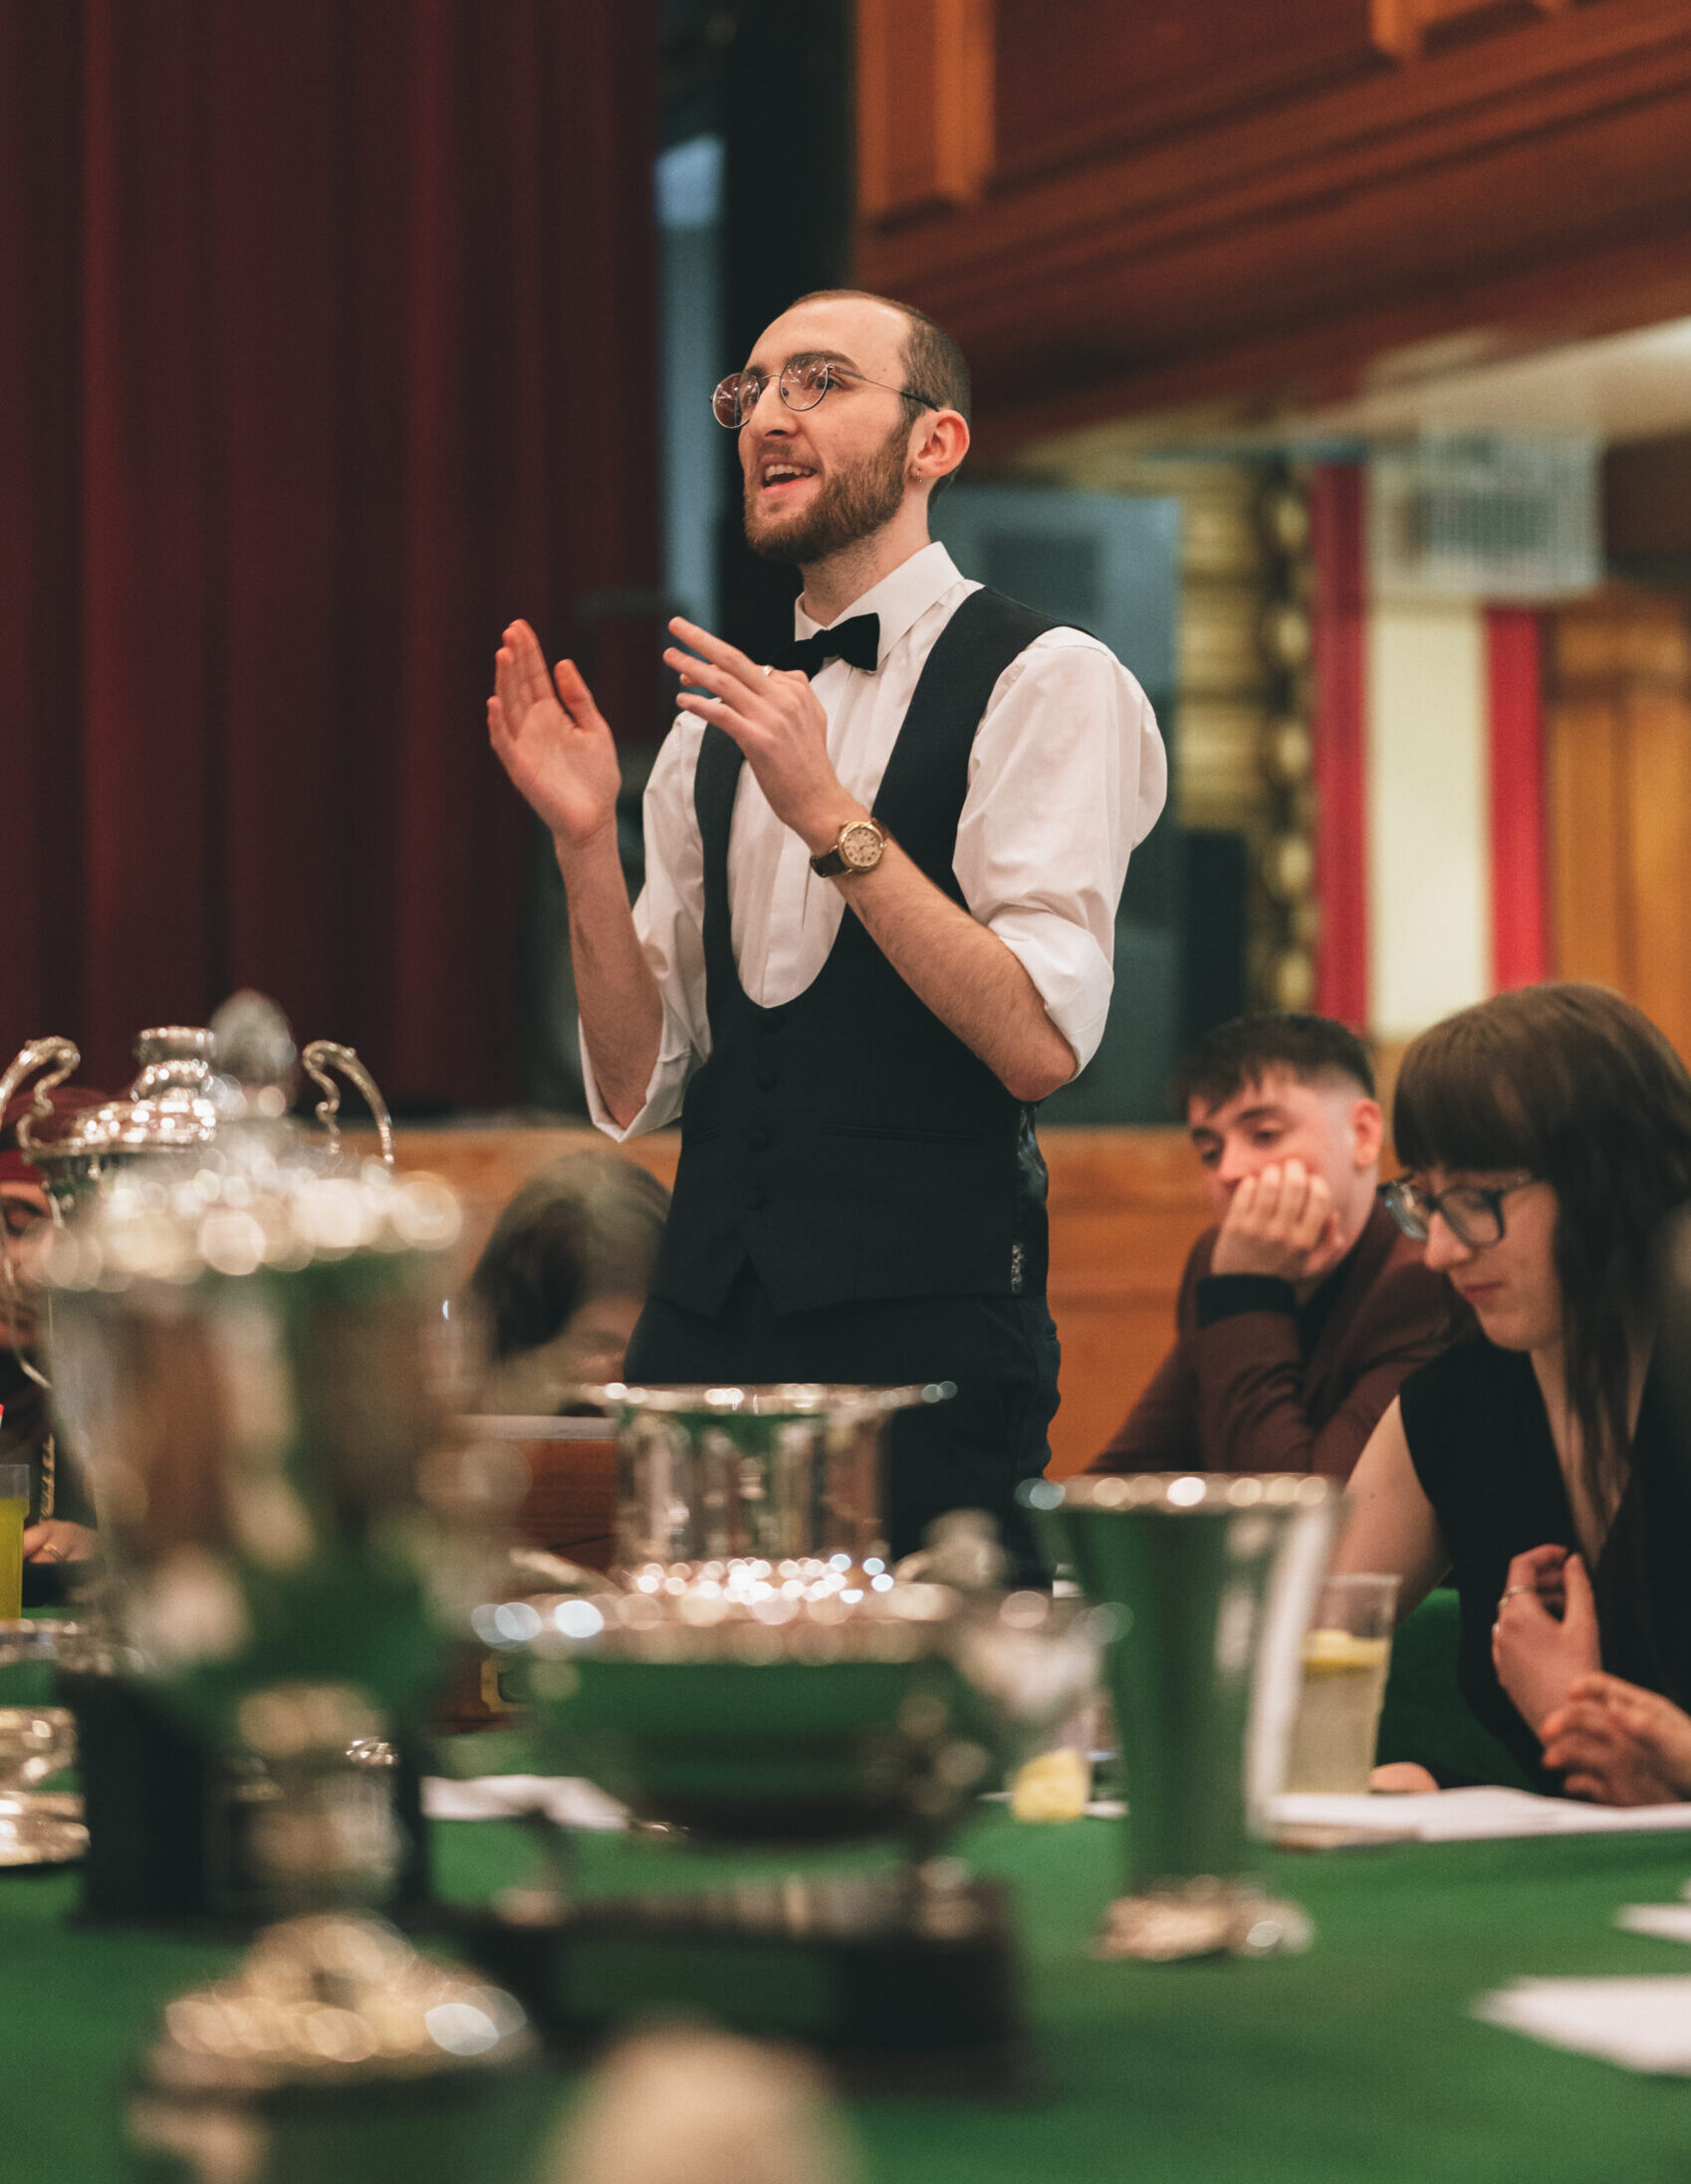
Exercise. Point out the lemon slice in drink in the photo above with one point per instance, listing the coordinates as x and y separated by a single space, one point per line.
1052 1786
1342 1653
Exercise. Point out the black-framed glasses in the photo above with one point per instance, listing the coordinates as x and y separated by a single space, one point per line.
802 382
1473 1215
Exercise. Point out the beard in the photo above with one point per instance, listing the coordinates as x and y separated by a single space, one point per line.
850 505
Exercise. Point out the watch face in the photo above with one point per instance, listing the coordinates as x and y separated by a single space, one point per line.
860 845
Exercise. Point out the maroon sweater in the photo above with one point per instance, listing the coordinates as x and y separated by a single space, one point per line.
1256 1382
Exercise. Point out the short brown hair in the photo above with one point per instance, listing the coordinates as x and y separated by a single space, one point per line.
934 365
1244 1050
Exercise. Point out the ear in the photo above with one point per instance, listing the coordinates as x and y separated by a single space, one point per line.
1367 1133
939 442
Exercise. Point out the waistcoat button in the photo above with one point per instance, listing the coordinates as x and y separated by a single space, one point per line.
758 1140
764 1080
756 1200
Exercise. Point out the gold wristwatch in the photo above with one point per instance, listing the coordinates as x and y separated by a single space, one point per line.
858 847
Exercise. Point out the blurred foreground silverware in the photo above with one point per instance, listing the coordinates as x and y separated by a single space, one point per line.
774 1470
1208 1578
794 1706
39 1824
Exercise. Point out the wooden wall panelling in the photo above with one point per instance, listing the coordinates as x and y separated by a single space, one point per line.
1619 782
924 103
1656 786
1089 75
1590 926
1125 1207
1401 27
1539 177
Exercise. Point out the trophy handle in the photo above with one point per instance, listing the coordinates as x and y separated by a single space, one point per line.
317 1061
56 1058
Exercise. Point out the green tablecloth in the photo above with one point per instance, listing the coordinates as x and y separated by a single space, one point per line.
1358 2061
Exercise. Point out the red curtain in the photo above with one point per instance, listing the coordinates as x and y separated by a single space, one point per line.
327 344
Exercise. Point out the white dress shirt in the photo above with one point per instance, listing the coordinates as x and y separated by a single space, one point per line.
1066 775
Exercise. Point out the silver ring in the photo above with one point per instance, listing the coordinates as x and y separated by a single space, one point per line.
50 1554
1510 1590
768 670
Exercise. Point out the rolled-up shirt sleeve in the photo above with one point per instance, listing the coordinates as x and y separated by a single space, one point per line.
669 921
1068 775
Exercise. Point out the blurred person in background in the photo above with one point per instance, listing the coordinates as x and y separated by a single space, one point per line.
1545 1137
1302 1311
61 1525
563 1279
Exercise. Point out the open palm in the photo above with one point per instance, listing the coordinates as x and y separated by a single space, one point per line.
552 740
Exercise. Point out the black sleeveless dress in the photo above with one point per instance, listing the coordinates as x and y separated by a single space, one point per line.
1481 1445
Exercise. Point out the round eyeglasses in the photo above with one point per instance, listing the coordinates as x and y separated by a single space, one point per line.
802 382
1474 1216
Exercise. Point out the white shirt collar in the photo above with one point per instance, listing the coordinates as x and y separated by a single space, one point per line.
901 598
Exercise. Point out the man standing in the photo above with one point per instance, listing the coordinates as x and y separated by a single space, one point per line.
1304 1309
860 1196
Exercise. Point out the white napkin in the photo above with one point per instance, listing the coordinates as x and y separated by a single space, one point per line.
1461 1815
1639 2024
569 1800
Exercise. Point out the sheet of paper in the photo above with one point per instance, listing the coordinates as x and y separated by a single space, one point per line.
1639 2024
568 1801
1462 1815
1666 1921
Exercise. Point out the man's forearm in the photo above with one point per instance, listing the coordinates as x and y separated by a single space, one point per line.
620 1007
971 981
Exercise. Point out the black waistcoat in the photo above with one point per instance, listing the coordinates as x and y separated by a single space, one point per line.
847 1142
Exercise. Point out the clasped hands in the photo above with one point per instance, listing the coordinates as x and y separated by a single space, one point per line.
560 754
1279 1222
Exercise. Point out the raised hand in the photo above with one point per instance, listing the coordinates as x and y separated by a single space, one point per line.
1278 1221
553 742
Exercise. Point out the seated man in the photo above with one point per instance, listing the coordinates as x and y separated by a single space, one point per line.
1303 1310
61 1517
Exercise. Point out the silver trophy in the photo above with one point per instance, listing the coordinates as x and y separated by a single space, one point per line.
244 1345
1209 1579
192 1083
792 1708
773 1471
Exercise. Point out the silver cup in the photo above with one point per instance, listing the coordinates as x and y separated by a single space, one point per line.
779 1471
1209 1580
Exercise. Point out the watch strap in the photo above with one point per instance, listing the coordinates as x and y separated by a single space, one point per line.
833 863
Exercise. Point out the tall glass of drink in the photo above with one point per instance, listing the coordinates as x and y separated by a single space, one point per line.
14 1513
1346 1653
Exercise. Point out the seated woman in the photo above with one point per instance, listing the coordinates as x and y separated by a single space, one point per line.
1546 1135
564 1278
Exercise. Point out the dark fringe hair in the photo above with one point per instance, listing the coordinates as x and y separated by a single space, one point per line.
1242 1051
586 1226
1576 1085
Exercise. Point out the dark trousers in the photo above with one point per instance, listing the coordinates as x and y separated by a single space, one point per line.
972 1452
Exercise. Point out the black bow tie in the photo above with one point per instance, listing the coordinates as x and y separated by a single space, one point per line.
857 643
